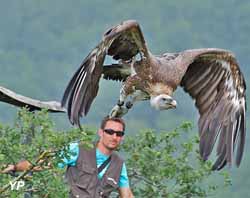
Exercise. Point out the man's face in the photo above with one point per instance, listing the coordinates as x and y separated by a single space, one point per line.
111 142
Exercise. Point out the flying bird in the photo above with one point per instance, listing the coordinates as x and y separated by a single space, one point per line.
211 76
18 100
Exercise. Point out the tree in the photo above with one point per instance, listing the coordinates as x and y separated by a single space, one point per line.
158 165
167 165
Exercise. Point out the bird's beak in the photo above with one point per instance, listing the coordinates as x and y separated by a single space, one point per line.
170 102
173 104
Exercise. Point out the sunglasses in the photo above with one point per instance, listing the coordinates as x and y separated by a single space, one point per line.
111 132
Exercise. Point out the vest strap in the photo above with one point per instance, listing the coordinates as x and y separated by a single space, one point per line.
104 164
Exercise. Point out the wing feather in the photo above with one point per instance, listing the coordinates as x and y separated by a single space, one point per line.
18 100
218 88
122 42
116 72
209 90
201 82
242 136
191 79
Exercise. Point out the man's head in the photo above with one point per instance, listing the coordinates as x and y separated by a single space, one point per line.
111 133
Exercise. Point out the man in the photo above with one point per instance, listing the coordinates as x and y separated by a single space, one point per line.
82 174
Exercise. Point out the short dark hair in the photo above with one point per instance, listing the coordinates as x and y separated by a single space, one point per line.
115 119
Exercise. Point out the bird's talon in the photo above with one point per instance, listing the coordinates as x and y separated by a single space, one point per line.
120 103
114 111
118 111
129 105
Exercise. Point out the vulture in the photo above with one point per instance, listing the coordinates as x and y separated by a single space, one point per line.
15 99
211 76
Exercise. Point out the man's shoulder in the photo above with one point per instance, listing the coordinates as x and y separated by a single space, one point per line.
86 146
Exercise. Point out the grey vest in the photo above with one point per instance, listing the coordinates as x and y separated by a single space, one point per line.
83 179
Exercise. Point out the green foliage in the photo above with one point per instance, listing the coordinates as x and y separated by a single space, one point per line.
163 165
33 137
159 164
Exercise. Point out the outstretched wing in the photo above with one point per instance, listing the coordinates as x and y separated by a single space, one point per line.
121 42
214 80
15 99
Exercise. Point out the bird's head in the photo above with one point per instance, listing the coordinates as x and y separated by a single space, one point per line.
162 102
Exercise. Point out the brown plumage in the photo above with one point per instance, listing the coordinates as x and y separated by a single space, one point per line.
18 100
211 76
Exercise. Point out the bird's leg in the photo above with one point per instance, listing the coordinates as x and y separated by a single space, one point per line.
136 96
123 96
128 89
119 110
